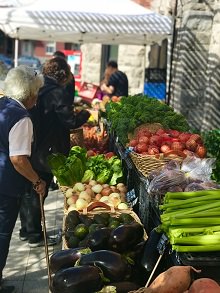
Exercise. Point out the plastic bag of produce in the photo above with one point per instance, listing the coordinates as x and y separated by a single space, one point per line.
174 179
196 168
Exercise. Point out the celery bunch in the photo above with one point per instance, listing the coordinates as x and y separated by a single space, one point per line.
191 220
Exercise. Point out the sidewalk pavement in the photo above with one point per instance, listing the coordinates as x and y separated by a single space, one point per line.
26 267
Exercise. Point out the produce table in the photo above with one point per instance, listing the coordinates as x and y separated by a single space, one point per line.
149 214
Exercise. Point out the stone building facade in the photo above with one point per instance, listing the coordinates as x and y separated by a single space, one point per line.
195 88
131 59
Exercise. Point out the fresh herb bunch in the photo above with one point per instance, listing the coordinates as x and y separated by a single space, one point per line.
211 140
135 110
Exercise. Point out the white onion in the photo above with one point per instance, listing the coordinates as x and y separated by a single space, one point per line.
97 188
92 182
69 192
79 187
72 200
81 204
72 207
122 206
84 195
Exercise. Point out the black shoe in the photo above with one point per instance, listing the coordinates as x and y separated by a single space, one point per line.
23 236
7 289
33 243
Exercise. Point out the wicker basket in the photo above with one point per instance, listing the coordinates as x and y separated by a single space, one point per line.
76 137
97 208
148 163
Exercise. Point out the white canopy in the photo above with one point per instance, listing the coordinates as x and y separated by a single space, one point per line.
85 21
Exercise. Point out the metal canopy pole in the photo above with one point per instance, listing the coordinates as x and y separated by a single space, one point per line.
16 48
171 53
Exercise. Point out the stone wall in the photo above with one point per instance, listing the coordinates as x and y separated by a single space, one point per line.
130 60
91 62
195 90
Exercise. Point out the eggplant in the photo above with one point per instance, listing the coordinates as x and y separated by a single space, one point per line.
98 240
126 236
124 287
66 258
150 251
111 263
81 279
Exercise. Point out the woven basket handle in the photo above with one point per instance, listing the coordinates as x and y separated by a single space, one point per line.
98 204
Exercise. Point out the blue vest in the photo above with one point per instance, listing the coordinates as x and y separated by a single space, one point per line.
12 183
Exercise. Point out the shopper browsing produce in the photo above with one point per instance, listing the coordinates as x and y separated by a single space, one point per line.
53 117
16 130
117 84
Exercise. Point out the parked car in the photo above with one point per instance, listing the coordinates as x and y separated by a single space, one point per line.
30 61
8 62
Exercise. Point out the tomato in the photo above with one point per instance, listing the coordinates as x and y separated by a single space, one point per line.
160 131
153 150
109 155
155 139
141 147
165 148
133 143
174 133
143 139
90 153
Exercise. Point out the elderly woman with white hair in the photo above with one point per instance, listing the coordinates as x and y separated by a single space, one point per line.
16 131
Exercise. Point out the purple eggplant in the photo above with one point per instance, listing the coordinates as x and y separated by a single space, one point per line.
81 279
98 240
66 258
126 236
112 264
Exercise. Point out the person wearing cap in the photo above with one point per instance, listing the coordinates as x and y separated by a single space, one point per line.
21 87
117 82
53 117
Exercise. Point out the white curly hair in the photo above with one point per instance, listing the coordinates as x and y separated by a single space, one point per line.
22 83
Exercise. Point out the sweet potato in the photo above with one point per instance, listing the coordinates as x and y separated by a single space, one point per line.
204 285
176 279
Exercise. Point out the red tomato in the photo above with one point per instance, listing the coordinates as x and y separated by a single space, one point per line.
143 139
165 148
153 150
160 131
90 153
141 148
133 142
155 139
109 155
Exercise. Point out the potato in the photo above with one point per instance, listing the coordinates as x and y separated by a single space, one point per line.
176 279
204 285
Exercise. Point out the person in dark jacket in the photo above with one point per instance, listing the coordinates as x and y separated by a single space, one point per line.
70 86
53 118
117 83
16 134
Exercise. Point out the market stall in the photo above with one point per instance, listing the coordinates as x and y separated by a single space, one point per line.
140 209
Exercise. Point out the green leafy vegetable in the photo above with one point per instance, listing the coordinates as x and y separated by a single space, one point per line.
88 175
135 110
212 143
56 160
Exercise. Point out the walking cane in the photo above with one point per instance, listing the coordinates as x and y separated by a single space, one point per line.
45 241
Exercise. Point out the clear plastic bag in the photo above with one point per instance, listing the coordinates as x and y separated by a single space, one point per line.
197 168
188 176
